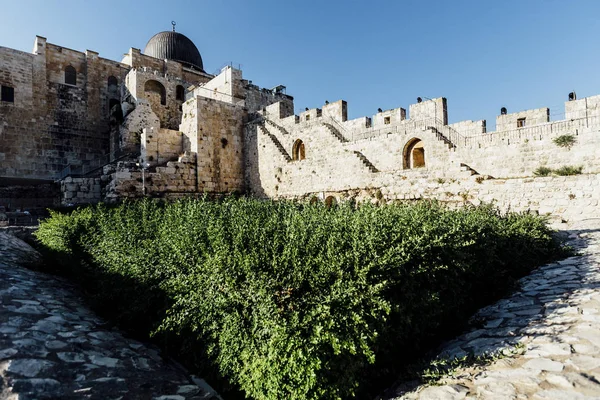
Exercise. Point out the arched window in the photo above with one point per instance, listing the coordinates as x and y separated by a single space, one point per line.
154 87
414 154
70 75
330 201
180 93
113 83
298 151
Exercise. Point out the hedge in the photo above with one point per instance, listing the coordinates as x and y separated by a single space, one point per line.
291 300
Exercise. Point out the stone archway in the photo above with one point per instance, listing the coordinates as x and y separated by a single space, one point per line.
298 150
413 155
330 201
155 92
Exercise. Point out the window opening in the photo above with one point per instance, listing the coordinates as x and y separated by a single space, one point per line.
8 94
70 75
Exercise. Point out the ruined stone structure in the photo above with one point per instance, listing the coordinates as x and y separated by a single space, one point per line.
156 124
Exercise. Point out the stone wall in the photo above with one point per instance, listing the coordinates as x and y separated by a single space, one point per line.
569 198
63 124
29 197
124 180
80 191
161 145
214 131
340 154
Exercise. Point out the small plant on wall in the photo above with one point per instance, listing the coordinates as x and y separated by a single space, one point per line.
565 170
542 171
566 141
568 170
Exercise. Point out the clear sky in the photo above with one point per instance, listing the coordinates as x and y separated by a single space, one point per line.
479 54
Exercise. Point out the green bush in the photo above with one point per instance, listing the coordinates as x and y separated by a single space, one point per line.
292 300
542 171
568 170
566 141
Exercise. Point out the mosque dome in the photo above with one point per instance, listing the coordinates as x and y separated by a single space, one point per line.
174 46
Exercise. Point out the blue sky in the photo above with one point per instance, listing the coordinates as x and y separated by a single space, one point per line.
480 55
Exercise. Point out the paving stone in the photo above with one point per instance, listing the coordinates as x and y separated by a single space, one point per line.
558 380
584 362
450 392
548 349
7 353
544 364
497 391
43 386
29 367
71 357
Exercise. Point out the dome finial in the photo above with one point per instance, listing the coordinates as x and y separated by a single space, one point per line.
173 23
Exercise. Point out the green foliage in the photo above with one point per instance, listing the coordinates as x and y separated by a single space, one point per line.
542 171
568 170
566 141
291 300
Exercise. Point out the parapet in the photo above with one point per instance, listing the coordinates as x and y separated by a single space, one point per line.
521 119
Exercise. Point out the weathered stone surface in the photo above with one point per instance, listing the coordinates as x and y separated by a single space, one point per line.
544 364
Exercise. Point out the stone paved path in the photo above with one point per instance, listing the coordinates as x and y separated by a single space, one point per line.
52 347
550 331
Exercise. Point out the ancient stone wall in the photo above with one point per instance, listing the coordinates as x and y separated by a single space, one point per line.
338 154
522 119
53 123
570 198
29 197
80 191
161 145
160 90
219 145
257 98
124 180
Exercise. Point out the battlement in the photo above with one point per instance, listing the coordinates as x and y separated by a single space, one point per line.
434 112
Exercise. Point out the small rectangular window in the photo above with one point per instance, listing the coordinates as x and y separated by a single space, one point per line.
8 94
520 122
307 117
386 120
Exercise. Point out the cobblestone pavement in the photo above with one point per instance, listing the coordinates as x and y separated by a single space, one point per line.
52 347
549 332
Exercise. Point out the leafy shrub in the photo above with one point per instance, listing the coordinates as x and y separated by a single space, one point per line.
542 171
566 141
568 170
292 300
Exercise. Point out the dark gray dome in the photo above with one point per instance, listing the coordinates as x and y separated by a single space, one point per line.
174 46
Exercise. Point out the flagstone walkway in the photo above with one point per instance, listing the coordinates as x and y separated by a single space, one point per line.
549 332
53 347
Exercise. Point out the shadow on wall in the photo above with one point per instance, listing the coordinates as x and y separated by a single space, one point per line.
252 175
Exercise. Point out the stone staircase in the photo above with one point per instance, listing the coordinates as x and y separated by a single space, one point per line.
274 125
276 142
465 168
335 132
444 136
365 161
440 136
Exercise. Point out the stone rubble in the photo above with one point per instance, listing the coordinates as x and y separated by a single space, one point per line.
549 332
52 346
